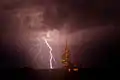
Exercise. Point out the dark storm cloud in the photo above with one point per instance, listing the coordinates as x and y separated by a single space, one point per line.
98 48
77 13
11 56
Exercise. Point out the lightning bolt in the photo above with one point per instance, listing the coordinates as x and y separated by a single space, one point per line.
51 55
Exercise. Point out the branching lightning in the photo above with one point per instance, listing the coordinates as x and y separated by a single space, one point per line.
51 55
40 48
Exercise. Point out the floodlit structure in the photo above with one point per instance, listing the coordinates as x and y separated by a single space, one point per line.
67 61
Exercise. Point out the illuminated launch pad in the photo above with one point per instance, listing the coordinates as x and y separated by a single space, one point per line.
68 65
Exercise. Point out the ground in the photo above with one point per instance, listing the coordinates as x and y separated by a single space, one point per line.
55 74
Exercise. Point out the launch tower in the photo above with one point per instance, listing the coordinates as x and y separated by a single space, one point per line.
66 60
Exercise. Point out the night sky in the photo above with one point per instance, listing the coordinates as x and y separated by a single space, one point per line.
91 27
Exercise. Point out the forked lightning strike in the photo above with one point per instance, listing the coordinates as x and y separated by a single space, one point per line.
51 55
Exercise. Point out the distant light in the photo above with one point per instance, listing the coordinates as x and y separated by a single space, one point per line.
75 69
69 69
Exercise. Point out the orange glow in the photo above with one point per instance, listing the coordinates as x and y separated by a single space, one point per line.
75 69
